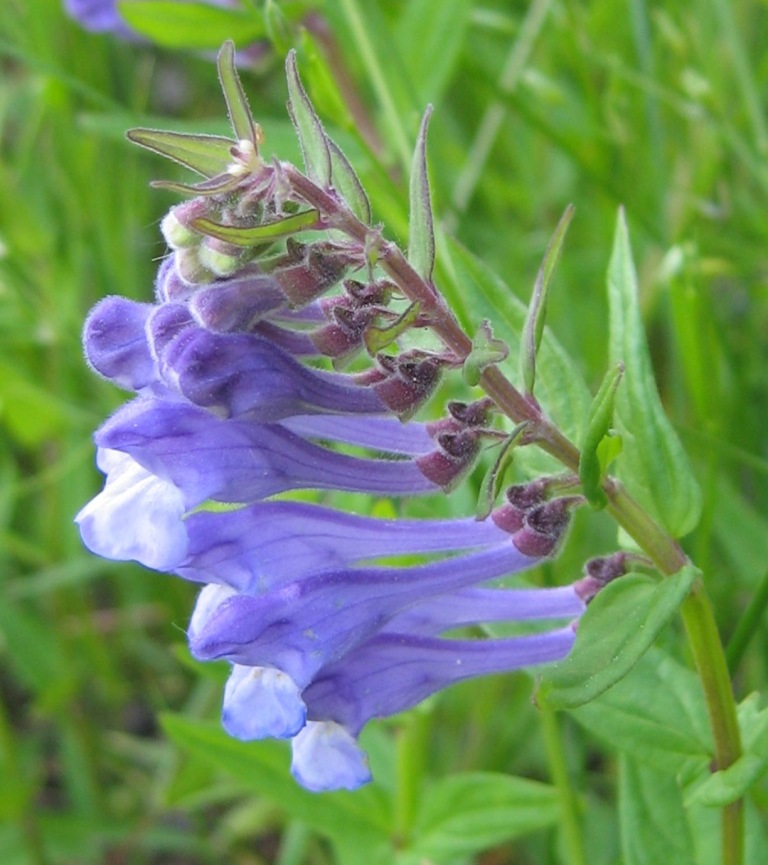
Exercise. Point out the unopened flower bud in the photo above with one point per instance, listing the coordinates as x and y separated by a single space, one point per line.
191 269
219 257
175 225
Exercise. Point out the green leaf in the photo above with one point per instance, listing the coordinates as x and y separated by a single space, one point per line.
429 36
264 233
486 351
656 715
653 463
467 813
654 827
599 421
190 25
619 626
537 309
421 230
728 785
208 155
239 111
312 137
360 817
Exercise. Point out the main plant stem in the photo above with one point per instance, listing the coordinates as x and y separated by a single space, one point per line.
698 617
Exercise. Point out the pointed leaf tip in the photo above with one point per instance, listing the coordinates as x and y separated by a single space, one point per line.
313 141
421 229
237 104
654 464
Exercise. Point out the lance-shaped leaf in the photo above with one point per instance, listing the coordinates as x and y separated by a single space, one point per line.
654 465
486 351
494 477
421 230
378 338
598 423
348 185
312 138
208 155
237 104
537 310
254 235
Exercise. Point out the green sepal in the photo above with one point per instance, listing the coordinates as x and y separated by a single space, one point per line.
618 627
221 184
486 351
421 229
490 486
591 467
537 309
209 155
197 26
312 138
347 184
654 465
257 234
378 338
237 104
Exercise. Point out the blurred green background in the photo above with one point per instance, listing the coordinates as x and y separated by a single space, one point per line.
656 106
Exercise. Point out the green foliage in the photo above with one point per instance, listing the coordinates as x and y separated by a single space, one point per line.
190 25
619 626
653 462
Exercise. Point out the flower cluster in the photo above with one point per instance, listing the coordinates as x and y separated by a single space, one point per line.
236 403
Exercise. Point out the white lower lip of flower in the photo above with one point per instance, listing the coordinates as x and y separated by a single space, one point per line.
137 516
326 756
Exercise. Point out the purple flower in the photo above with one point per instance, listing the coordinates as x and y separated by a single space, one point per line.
390 673
240 397
299 627
100 16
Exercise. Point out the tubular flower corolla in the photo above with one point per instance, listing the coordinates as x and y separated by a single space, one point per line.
239 397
